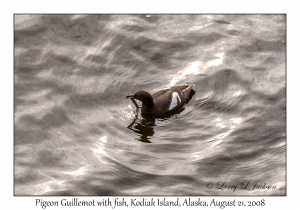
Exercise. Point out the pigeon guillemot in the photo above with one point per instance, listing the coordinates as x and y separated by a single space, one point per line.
163 102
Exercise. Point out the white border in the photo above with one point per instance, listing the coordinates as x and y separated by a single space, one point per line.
153 6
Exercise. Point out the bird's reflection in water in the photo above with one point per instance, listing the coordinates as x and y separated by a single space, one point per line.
144 128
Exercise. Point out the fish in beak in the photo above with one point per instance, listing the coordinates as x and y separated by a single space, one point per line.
130 96
132 99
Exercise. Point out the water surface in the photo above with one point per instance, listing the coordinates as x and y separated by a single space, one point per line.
71 134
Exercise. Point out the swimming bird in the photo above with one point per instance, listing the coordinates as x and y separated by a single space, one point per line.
163 102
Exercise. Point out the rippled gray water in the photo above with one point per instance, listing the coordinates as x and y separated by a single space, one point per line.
71 132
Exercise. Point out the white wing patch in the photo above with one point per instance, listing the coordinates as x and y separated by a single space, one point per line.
174 101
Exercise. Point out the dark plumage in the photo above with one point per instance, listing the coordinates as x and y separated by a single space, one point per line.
164 102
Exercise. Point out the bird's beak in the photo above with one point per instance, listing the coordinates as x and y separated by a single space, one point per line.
130 96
